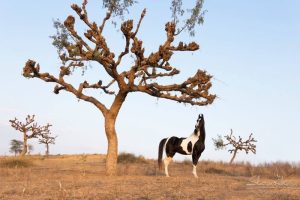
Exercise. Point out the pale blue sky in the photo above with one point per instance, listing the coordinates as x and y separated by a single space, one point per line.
251 47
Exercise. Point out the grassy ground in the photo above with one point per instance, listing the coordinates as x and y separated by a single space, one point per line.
83 177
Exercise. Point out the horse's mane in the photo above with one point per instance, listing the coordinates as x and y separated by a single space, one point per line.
202 131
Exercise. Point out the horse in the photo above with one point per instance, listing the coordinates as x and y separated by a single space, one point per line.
192 145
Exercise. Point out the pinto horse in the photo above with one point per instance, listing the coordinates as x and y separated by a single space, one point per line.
192 145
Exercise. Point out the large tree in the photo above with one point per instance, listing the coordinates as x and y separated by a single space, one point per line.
144 75
30 129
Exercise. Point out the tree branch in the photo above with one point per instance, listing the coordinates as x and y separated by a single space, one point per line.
31 70
193 91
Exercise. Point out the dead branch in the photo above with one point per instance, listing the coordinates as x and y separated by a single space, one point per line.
31 129
239 144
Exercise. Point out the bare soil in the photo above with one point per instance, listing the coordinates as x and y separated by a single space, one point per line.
76 177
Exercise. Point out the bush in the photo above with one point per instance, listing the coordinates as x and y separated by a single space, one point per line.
16 163
130 158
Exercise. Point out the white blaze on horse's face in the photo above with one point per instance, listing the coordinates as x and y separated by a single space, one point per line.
197 126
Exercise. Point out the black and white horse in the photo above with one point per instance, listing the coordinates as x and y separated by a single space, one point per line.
192 145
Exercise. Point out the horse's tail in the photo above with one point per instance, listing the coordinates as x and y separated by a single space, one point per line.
160 152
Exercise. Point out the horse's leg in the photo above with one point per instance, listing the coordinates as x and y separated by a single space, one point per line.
195 156
167 161
197 151
195 171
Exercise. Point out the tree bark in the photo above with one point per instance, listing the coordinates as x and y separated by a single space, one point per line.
47 149
25 146
111 135
233 156
112 148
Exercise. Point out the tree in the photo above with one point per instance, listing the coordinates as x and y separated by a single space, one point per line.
30 129
16 146
237 144
47 139
144 75
30 148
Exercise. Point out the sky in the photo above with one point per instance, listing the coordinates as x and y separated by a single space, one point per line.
252 49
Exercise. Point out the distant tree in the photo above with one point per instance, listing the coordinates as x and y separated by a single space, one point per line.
29 128
236 144
47 139
16 146
144 75
30 148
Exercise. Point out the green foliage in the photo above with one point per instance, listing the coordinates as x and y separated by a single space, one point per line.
16 146
218 142
194 16
197 17
15 163
130 158
62 37
118 7
176 8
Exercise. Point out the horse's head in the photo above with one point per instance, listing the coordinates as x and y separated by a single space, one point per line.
199 127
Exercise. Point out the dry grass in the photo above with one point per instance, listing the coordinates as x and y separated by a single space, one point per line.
130 158
15 162
83 177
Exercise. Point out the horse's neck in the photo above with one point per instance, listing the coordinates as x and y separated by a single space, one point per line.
202 134
193 135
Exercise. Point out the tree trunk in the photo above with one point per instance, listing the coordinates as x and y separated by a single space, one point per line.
233 156
112 148
25 146
47 149
111 135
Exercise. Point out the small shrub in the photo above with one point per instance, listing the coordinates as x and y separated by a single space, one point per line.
130 158
15 163
83 157
213 170
186 162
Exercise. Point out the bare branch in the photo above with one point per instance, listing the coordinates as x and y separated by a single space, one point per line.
20 126
107 17
30 129
97 85
139 23
30 71
193 91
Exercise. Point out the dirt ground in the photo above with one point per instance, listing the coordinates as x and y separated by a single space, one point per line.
83 177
